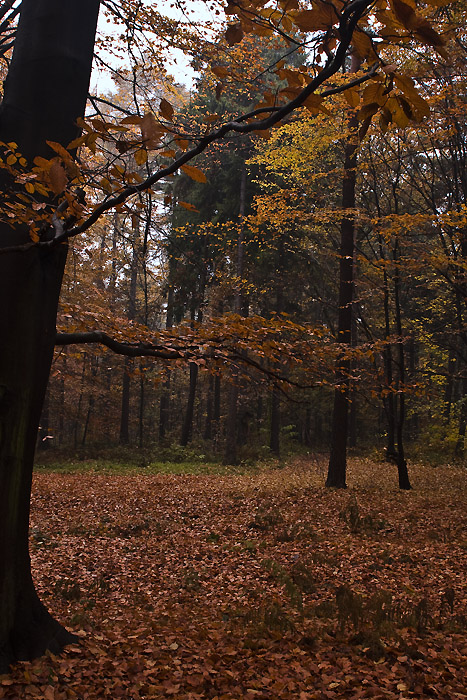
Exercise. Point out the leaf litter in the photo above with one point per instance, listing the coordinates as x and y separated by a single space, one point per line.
256 586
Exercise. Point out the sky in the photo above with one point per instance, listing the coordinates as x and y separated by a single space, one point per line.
101 80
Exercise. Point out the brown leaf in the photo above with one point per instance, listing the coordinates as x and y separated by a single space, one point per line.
166 109
234 33
57 177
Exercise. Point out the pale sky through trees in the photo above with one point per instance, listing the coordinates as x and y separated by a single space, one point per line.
178 64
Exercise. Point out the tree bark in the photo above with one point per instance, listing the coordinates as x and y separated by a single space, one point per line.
231 427
45 93
128 366
190 407
337 467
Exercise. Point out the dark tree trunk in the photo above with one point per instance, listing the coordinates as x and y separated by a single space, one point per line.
403 474
274 441
340 417
141 409
164 410
45 92
43 433
128 365
209 409
190 407
124 437
449 391
240 307
230 449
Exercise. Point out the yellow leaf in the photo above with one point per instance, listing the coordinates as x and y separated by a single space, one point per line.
141 156
352 96
373 92
29 187
194 173
76 143
58 148
398 114
42 163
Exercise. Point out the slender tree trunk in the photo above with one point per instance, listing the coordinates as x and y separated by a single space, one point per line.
340 417
274 441
230 451
45 93
190 407
207 435
124 437
164 410
61 403
449 390
128 365
403 474
141 408
187 425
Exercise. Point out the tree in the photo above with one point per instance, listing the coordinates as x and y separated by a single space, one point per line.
45 93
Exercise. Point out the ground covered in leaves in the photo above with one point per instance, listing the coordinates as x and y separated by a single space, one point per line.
256 586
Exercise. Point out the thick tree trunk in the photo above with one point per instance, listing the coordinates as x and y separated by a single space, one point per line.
45 92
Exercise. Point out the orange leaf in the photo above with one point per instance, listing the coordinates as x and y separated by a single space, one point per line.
194 173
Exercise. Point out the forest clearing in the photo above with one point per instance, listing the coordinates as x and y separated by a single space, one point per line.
254 585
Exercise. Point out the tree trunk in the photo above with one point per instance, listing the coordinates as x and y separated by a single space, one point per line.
403 474
164 411
230 449
124 437
340 417
207 435
190 407
274 440
128 366
45 92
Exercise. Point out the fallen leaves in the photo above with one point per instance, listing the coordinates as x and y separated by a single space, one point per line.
224 587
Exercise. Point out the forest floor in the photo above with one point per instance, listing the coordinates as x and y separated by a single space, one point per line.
251 586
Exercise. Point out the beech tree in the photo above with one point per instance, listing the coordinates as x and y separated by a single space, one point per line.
45 93
42 208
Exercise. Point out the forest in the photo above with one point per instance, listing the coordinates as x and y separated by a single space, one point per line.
233 368
294 272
